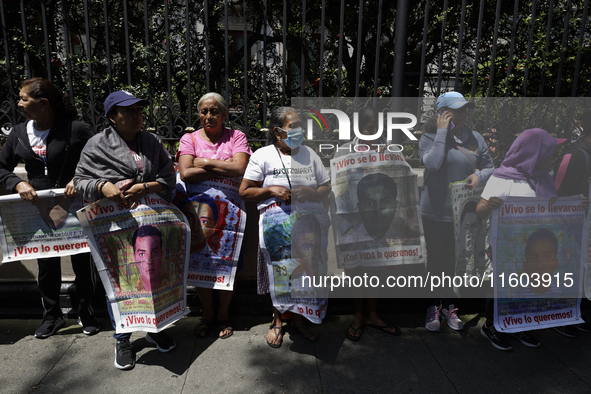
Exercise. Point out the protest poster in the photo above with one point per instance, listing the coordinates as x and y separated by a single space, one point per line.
470 233
141 255
216 215
45 228
539 249
293 239
375 211
587 269
587 265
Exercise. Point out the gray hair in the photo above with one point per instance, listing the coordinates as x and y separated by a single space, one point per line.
277 119
218 99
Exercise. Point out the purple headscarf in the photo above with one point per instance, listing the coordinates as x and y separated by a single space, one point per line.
533 146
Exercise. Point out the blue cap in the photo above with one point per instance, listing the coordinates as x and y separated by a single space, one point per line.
122 98
453 100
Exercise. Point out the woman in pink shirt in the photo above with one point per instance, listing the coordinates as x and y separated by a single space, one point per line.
213 151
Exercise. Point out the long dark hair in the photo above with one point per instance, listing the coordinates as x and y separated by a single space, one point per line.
41 88
277 119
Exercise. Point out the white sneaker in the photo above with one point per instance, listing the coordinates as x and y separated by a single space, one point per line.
450 315
432 322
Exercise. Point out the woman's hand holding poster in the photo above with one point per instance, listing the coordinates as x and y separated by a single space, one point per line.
539 250
140 254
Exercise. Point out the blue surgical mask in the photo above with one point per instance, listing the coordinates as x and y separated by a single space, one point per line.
295 137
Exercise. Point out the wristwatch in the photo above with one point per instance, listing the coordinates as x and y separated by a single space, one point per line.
100 189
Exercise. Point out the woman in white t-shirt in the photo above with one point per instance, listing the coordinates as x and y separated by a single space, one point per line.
284 178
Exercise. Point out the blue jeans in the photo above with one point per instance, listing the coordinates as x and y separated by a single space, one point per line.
118 337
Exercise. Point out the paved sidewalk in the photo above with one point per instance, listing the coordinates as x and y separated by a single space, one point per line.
418 361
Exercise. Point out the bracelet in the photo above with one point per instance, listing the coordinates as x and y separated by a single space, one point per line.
147 186
100 189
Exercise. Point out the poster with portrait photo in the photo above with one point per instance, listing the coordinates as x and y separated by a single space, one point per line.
587 269
141 256
539 249
470 234
375 211
45 228
217 219
293 239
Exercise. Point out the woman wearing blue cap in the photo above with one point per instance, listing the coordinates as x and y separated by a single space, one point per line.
451 152
125 163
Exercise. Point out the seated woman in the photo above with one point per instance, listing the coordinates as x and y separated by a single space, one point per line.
377 224
125 163
49 143
525 172
212 151
276 173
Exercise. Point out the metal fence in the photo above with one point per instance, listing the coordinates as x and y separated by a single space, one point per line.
259 54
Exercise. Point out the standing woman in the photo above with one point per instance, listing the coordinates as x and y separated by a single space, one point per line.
49 143
212 151
270 181
124 164
451 152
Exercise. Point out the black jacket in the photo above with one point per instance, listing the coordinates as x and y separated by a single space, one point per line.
61 164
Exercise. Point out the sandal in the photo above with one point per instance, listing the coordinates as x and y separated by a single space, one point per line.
304 327
354 336
277 333
202 329
224 325
385 328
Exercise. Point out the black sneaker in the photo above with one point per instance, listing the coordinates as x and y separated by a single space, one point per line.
161 340
567 331
527 339
124 355
496 338
89 325
49 327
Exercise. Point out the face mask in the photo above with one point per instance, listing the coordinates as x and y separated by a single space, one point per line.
295 137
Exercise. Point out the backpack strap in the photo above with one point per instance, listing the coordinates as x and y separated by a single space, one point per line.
586 158
564 163
469 158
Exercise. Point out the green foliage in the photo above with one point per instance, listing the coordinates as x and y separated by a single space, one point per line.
159 67
552 50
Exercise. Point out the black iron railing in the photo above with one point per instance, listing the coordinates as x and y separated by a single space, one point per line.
259 54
